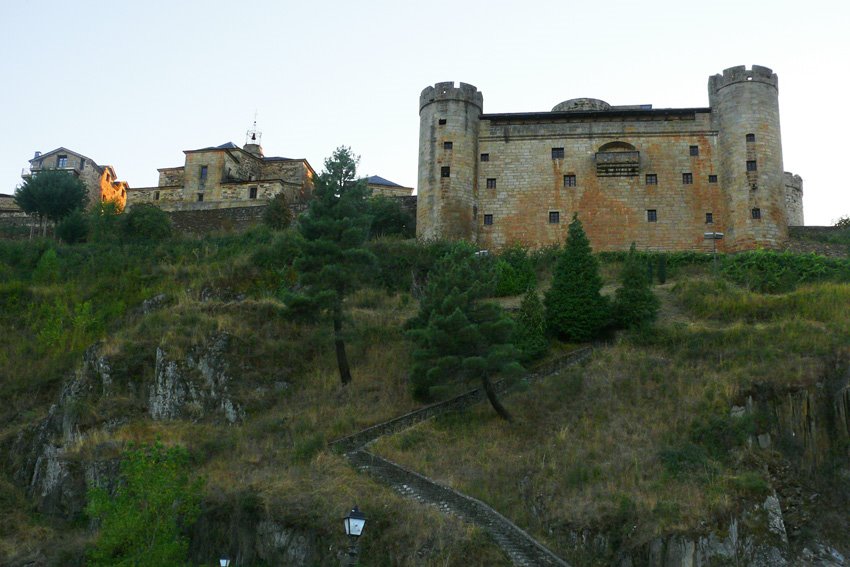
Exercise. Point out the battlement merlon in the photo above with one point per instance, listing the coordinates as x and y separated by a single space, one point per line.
741 74
448 91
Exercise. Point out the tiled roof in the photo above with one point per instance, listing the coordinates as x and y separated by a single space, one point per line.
377 180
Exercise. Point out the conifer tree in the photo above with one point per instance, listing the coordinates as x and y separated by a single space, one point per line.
457 334
333 261
530 334
634 305
575 309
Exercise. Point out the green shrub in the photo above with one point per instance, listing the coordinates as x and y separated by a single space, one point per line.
634 304
278 215
514 272
530 332
777 272
47 269
146 222
73 228
390 219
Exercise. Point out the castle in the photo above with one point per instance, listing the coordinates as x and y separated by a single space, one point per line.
661 178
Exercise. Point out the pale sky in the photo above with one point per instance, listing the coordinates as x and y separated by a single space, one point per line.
132 84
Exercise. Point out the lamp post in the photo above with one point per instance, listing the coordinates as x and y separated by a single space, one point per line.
354 522
224 561
714 237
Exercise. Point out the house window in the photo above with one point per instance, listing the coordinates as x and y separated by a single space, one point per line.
554 217
751 138
694 150
491 183
756 214
712 179
570 180
441 121
651 215
252 192
687 178
652 179
485 157
751 165
61 161
557 153
709 218
445 171
488 219
200 197
447 145
156 195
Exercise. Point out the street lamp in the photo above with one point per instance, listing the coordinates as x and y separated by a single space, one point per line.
714 237
224 561
354 522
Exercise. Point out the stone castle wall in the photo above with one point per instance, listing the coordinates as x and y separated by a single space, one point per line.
794 199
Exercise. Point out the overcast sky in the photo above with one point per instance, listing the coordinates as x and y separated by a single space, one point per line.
133 84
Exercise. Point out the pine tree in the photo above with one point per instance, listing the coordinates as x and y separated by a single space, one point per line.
634 305
333 261
575 309
458 335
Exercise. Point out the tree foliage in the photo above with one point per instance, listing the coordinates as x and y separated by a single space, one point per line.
143 523
530 334
634 305
334 261
277 215
51 194
74 228
575 308
459 336
390 219
146 222
514 271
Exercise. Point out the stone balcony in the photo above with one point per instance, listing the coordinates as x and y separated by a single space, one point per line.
617 164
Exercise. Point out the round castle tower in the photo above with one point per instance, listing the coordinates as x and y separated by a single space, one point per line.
448 161
745 111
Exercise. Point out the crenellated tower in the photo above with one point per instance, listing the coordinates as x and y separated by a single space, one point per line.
745 112
448 161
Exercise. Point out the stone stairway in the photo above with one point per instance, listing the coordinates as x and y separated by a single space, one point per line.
520 547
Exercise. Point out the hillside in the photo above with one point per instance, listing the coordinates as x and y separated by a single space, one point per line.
737 398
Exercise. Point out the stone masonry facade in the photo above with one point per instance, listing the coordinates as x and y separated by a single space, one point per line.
660 178
101 181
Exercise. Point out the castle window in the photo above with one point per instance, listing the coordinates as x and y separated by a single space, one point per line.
570 180
488 219
491 183
694 150
200 197
652 179
712 179
156 195
441 121
557 153
252 192
751 138
61 161
651 215
751 165
757 214
447 145
687 178
445 171
203 173
754 186
554 217
709 218
485 157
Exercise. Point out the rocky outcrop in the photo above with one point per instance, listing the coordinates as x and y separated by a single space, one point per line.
195 387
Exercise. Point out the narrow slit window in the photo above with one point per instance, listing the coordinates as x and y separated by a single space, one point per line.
156 195
756 214
252 193
441 121
709 218
200 197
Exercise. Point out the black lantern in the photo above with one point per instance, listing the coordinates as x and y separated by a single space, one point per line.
224 561
354 522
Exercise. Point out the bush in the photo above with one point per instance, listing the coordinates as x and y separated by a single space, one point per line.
530 332
146 222
278 215
634 305
104 223
74 228
514 272
47 269
777 272
390 219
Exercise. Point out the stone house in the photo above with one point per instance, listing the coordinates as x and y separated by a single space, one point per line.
661 178
228 176
381 187
100 180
